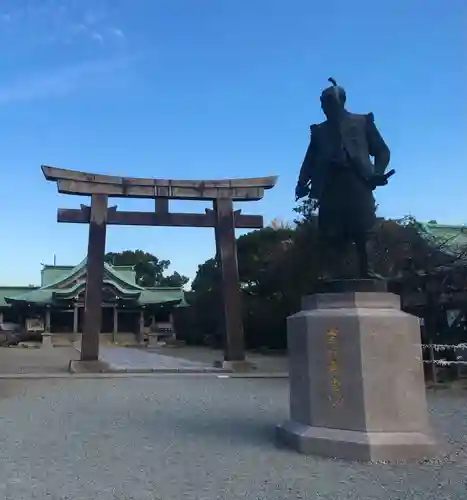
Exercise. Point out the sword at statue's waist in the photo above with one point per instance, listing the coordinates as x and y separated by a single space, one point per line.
349 167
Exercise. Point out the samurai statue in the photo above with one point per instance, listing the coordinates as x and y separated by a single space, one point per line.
338 174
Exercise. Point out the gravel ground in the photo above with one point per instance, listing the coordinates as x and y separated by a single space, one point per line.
36 361
199 438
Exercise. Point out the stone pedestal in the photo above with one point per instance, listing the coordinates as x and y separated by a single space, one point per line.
357 388
47 340
153 340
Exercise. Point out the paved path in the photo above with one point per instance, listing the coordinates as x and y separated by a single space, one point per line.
187 359
194 438
267 363
123 358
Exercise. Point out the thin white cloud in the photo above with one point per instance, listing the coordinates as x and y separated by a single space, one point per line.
68 21
78 28
60 81
118 33
92 17
98 37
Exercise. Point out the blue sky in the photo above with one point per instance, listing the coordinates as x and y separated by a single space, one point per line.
213 89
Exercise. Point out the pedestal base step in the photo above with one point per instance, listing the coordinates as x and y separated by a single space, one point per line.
77 366
357 446
235 366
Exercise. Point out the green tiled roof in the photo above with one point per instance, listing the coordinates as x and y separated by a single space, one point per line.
124 277
79 286
38 296
145 297
121 278
127 273
450 237
11 291
51 274
162 295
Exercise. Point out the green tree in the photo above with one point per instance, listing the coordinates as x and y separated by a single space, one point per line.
392 243
306 210
206 278
267 271
204 325
279 264
149 269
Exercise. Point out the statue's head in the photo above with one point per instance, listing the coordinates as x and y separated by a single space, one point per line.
333 99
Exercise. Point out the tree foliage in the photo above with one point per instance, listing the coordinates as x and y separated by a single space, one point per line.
282 262
149 269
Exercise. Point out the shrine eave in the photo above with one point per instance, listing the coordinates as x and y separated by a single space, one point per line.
50 296
70 287
451 237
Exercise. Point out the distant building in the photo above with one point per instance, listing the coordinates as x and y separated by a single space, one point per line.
451 238
438 295
129 311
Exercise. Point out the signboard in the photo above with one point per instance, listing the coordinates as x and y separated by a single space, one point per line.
35 325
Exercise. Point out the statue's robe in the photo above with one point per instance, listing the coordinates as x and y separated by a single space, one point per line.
338 167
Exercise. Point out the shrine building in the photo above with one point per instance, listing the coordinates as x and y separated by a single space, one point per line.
129 311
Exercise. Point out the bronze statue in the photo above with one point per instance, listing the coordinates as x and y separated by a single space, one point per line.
338 174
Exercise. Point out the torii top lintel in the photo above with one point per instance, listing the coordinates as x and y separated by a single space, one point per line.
87 184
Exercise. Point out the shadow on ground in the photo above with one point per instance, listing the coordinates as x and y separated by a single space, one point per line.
232 430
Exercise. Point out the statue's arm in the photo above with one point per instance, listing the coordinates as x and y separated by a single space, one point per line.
376 145
307 165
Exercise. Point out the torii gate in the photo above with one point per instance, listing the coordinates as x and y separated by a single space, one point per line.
222 218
